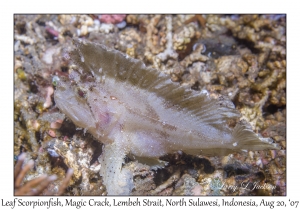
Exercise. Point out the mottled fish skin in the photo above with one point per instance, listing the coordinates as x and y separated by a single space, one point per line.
121 101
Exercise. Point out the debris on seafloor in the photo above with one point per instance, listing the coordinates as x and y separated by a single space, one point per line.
241 57
40 185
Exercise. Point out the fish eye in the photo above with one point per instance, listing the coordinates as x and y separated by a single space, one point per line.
81 93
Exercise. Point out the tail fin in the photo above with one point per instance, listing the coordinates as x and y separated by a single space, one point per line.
246 139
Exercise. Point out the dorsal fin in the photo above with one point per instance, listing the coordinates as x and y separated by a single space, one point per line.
112 63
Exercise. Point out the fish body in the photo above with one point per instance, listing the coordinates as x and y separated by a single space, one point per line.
137 110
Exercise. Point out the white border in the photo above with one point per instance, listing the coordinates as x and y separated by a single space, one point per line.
152 6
